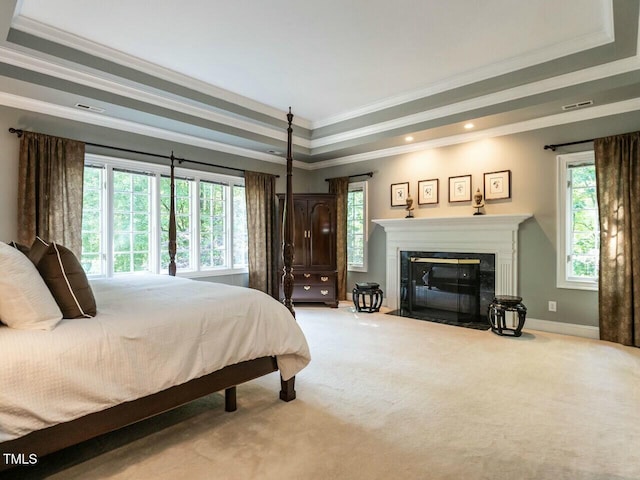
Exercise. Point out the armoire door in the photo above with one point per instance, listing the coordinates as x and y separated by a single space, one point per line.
300 233
321 236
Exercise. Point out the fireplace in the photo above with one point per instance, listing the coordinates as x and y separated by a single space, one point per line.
447 287
471 236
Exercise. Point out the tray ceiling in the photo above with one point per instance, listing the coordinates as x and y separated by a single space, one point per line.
360 76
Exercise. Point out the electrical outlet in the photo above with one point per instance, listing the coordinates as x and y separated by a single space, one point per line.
552 305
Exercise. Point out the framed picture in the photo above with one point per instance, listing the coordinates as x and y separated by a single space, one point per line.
399 194
460 188
497 185
428 192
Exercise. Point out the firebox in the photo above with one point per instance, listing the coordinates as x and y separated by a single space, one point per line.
445 287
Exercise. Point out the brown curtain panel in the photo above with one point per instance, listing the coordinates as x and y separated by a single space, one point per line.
50 181
340 187
618 180
261 210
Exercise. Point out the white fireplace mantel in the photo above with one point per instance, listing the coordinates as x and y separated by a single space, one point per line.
496 234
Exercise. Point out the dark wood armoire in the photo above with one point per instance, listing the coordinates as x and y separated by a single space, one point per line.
314 263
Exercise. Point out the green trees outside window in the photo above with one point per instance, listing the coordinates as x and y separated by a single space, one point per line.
91 258
125 225
356 226
585 227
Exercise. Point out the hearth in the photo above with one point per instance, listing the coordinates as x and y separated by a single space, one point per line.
447 287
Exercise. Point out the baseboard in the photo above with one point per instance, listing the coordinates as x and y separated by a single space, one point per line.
574 329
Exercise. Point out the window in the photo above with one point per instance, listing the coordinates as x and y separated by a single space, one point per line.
92 221
578 222
131 222
183 191
125 224
213 224
357 227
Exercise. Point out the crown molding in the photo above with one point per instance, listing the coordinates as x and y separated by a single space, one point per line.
47 32
525 126
101 120
135 92
38 106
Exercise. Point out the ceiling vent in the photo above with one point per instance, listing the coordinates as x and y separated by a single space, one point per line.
573 106
90 108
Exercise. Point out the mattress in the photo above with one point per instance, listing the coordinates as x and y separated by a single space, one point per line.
151 332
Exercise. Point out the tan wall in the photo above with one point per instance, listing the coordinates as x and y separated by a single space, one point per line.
534 185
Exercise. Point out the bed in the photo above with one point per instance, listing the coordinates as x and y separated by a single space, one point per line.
51 399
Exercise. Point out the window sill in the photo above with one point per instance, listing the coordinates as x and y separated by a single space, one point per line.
357 269
577 285
212 273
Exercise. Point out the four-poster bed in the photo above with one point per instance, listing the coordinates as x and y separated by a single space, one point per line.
55 437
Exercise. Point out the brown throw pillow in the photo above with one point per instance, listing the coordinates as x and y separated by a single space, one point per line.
67 281
18 246
38 249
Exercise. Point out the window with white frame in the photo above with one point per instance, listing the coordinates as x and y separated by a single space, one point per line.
125 224
578 222
357 227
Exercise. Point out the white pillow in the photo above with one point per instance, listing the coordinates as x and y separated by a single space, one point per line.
25 301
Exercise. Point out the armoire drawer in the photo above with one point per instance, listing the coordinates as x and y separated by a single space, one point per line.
314 278
306 292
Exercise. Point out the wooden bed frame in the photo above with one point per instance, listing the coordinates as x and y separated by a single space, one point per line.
57 437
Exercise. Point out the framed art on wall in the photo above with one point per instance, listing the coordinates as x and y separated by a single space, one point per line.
460 188
497 185
428 192
399 194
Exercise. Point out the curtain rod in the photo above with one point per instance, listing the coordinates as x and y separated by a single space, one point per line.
553 147
171 157
368 174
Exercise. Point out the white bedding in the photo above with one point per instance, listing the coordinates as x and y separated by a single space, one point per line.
151 332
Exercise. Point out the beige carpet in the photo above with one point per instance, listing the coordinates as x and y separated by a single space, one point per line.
387 397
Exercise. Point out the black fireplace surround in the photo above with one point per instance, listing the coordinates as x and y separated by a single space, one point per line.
445 287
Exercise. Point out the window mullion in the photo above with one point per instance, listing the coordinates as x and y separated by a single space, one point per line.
154 241
109 221
195 225
228 246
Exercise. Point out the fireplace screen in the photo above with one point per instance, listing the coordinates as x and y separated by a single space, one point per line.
451 288
448 284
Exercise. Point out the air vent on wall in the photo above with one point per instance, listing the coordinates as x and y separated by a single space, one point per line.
90 108
573 106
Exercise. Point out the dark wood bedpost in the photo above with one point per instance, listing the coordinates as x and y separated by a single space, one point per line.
287 387
172 222
287 246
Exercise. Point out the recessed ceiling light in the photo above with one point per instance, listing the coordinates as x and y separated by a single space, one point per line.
408 139
468 126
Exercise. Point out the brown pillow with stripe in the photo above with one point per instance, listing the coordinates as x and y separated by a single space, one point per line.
38 249
23 248
67 281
